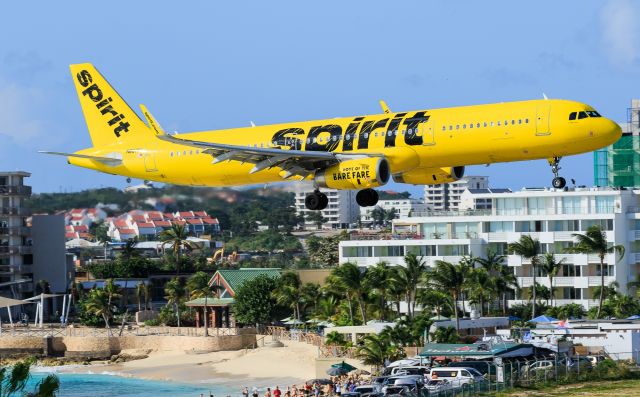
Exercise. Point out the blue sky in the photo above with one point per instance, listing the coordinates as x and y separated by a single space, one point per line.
206 65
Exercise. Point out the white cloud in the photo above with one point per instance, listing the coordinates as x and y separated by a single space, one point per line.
619 22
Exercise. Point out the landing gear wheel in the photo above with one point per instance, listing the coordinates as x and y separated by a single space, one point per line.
367 198
316 201
559 182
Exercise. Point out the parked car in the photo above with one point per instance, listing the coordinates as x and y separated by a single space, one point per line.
458 376
366 389
410 370
397 391
414 383
438 385
596 359
484 367
350 394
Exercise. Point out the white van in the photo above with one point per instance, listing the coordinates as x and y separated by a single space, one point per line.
410 370
458 376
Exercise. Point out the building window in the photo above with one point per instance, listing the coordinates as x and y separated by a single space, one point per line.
388 250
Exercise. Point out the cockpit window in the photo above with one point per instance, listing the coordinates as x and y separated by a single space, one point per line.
572 115
582 115
593 113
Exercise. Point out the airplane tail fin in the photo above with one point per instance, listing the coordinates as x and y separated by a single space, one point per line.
109 118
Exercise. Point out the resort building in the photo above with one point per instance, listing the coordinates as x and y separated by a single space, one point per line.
619 164
147 225
341 212
549 215
16 257
447 196
401 207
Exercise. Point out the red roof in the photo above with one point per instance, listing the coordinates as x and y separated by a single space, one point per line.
168 215
70 235
186 214
120 223
145 224
126 231
162 223
211 221
155 215
68 228
179 222
195 221
91 211
81 228
202 214
77 211
139 218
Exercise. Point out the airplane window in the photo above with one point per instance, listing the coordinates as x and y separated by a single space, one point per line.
478 125
191 152
582 115
457 126
526 121
198 151
308 140
464 126
335 138
184 153
444 127
450 127
519 121
315 140
498 123
492 123
171 154
506 122
513 122
471 125
572 115
593 113
366 135
485 124
395 132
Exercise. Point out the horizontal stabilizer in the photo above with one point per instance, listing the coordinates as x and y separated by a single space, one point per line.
110 161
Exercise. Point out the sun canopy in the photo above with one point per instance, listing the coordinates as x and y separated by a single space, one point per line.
8 302
38 297
477 350
543 319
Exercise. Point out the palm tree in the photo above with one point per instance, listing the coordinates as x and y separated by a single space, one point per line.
98 303
174 292
327 307
410 277
139 293
375 349
13 380
315 217
176 238
550 266
529 248
311 294
198 286
467 264
377 279
349 277
481 287
594 241
112 289
450 278
505 281
289 292
334 338
445 335
435 300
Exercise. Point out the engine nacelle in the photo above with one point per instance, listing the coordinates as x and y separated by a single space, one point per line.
430 176
361 173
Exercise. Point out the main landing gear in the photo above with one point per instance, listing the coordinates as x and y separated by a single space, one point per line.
316 201
367 198
558 181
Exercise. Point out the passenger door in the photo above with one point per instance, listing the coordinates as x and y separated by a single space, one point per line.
150 162
542 118
427 130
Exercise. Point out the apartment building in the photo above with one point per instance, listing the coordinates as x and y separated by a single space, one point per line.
549 215
401 207
341 212
16 258
447 196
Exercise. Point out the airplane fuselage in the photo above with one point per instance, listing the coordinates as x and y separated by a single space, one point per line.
410 141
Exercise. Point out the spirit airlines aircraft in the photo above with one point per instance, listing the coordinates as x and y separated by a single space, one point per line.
430 146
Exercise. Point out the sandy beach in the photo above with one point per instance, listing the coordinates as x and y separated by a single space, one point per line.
264 366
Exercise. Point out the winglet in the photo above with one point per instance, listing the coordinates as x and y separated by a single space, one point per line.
384 106
152 121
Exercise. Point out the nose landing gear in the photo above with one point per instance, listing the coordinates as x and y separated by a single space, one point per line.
558 182
316 201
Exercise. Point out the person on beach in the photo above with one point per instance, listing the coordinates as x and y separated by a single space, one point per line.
254 392
268 392
245 391
277 392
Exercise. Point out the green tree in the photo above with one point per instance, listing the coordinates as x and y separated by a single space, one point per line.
334 338
529 248
97 303
445 335
13 380
311 295
505 282
102 237
410 277
174 294
375 349
351 280
176 238
289 293
377 279
481 287
550 267
315 217
450 278
594 241
254 302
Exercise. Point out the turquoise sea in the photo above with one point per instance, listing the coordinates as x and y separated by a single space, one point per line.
102 385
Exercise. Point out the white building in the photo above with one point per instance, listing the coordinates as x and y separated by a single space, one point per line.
341 211
551 216
478 199
447 196
402 207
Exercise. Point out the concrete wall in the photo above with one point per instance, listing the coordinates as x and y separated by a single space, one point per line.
49 257
99 347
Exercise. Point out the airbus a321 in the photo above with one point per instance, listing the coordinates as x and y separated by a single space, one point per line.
429 146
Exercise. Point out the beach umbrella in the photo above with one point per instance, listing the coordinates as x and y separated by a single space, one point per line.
543 319
336 371
344 366
320 381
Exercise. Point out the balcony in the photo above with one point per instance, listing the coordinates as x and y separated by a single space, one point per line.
6 190
15 231
420 214
563 236
595 281
15 250
15 211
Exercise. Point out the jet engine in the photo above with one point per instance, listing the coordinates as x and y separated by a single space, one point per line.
430 176
362 173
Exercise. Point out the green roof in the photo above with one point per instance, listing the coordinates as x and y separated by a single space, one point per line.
235 278
210 302
460 349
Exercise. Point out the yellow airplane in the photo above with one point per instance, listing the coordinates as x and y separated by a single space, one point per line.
430 146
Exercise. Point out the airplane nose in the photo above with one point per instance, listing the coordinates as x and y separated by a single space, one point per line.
613 130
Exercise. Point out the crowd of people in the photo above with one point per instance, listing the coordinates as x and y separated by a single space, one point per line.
336 386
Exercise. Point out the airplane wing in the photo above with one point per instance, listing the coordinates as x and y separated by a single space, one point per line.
294 162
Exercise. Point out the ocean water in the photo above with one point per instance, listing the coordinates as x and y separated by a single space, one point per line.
105 385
